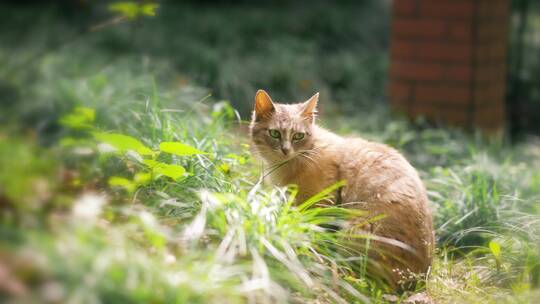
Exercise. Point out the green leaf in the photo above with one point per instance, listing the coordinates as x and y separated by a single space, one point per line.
179 148
151 163
172 171
122 182
123 142
495 249
80 118
149 9
132 10
127 9
225 168
142 178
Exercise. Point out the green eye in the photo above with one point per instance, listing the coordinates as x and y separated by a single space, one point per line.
298 136
274 133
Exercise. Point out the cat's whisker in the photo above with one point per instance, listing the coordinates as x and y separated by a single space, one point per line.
311 151
306 155
309 160
273 168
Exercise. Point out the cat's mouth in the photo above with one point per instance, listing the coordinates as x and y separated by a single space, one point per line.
277 157
290 156
293 157
280 157
300 156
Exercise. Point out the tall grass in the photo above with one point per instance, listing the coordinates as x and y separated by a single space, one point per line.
84 222
217 233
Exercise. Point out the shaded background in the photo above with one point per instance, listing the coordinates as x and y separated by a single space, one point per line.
231 47
235 47
69 69
523 96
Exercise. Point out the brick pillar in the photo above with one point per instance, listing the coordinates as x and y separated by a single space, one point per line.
448 61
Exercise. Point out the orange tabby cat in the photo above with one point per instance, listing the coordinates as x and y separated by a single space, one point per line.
379 180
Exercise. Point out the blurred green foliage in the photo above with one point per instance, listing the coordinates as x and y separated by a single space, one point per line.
132 10
523 98
292 49
121 180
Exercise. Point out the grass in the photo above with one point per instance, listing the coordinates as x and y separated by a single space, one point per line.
95 208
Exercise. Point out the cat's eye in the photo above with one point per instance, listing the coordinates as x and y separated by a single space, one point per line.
298 136
274 133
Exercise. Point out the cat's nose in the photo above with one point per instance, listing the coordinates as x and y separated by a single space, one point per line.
285 150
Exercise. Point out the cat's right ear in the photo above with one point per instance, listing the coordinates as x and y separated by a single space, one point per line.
264 106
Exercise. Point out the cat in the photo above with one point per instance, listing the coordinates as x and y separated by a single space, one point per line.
378 180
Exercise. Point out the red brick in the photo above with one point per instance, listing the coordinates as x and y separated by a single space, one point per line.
402 49
450 95
450 52
448 9
490 117
493 72
431 51
406 27
430 71
492 31
493 9
460 31
459 73
449 60
492 93
417 70
404 7
399 91
493 52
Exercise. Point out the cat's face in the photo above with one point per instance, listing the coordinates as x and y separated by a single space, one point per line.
280 132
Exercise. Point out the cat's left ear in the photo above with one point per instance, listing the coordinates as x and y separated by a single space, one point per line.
309 110
264 106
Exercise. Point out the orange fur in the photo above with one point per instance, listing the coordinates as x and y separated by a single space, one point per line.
379 181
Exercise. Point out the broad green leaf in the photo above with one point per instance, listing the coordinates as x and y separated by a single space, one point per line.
178 148
151 163
142 178
123 142
122 182
127 9
495 249
80 118
149 9
172 171
132 9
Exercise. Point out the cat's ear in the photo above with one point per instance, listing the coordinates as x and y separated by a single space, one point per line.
309 108
264 106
